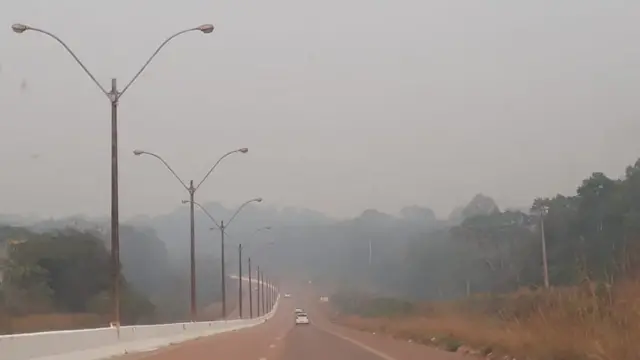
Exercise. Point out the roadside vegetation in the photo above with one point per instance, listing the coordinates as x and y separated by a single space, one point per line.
575 323
60 280
478 286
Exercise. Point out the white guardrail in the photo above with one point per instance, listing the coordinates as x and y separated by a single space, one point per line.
102 343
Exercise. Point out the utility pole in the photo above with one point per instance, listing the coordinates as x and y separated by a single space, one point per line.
544 252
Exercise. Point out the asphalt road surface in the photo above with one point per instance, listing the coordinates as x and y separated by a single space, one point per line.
311 343
280 339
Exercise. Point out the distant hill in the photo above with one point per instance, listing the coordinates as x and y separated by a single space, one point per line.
418 215
480 205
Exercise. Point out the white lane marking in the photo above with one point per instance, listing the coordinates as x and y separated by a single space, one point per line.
359 344
272 346
262 358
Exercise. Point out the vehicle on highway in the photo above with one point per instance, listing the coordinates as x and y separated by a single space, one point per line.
287 295
299 311
302 319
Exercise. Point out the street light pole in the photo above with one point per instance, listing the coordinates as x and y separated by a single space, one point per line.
240 277
114 98
222 227
263 295
223 272
258 292
270 289
191 189
268 295
250 292
192 246
115 216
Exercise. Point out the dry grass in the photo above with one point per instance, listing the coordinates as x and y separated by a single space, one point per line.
588 322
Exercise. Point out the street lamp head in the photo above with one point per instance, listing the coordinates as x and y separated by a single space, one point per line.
258 200
185 201
138 152
19 28
205 28
244 150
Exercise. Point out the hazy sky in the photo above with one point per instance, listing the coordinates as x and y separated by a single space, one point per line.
344 104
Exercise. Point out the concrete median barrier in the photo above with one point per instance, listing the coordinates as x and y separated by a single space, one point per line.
102 343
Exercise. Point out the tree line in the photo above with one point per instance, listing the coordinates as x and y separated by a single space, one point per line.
62 271
590 236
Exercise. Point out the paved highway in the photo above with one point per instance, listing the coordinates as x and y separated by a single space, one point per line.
311 343
280 339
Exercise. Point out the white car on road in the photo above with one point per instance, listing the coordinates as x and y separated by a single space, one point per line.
302 319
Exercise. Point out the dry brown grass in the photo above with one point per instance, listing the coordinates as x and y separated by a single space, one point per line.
588 322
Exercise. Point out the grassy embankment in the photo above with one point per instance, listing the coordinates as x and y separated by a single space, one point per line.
588 322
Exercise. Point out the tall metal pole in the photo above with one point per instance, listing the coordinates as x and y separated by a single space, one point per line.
240 279
269 295
269 285
223 272
115 228
114 97
250 292
263 297
258 292
266 296
194 309
274 294
544 253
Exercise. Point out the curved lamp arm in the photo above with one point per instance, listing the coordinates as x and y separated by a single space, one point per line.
243 150
206 28
142 152
204 210
241 207
20 28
